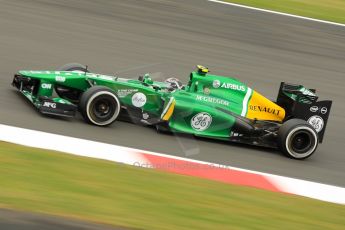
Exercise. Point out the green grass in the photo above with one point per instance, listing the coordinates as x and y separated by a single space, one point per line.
105 192
330 10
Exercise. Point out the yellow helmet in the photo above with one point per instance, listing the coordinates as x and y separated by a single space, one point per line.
202 69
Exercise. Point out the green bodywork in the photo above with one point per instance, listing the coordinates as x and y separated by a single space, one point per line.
202 94
208 105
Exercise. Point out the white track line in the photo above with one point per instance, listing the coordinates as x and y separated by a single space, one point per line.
136 157
279 13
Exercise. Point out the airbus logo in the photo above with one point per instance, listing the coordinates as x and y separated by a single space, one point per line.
233 86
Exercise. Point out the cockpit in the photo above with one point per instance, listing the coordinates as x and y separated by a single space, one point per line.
169 85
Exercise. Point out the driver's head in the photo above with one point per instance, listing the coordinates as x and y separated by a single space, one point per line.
174 83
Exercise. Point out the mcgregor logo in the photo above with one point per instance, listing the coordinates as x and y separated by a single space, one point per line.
264 109
212 100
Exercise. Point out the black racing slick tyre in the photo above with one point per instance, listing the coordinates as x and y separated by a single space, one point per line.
68 93
99 106
297 139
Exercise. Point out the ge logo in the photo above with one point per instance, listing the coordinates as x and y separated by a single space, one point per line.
201 121
216 84
317 123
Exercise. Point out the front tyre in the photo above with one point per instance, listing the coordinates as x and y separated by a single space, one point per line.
99 106
73 67
297 139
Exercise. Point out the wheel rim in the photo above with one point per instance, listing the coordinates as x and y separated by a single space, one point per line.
103 108
301 142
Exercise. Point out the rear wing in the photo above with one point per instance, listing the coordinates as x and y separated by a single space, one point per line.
300 102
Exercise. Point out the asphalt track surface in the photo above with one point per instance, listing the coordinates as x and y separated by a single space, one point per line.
168 38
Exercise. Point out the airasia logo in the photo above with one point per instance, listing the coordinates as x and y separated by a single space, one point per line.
139 99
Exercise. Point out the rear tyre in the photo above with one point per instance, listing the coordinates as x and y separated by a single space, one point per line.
297 139
99 106
68 93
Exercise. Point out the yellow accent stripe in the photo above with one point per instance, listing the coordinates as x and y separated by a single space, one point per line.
170 111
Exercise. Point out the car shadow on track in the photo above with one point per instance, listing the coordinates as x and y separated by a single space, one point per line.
191 137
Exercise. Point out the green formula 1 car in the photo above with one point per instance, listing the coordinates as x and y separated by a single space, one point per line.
208 106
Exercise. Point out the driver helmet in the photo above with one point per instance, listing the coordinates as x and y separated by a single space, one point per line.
174 83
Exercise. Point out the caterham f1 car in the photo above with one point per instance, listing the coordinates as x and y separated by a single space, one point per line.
208 105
